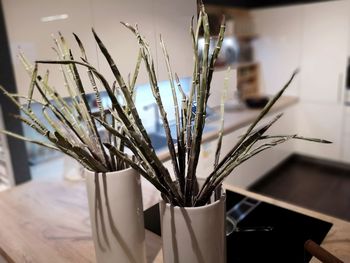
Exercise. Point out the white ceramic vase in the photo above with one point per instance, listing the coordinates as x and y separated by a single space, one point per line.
116 213
194 235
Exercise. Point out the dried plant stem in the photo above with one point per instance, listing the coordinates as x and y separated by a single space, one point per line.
147 58
91 78
216 52
241 144
195 81
91 123
181 144
135 75
123 87
179 137
222 120
199 117
147 149
17 136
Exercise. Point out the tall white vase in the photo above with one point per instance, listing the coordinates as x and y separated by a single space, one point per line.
194 235
116 212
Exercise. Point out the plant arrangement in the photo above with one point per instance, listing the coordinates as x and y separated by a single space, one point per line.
69 125
73 127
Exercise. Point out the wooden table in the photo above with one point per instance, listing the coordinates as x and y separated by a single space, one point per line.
48 221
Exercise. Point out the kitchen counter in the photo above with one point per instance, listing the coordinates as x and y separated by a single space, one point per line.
43 220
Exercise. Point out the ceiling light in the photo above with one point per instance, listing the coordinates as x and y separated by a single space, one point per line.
53 18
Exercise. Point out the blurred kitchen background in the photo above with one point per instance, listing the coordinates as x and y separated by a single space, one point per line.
265 42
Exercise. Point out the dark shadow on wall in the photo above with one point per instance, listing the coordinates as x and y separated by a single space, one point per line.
17 148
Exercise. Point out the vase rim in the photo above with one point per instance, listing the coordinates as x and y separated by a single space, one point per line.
126 170
194 208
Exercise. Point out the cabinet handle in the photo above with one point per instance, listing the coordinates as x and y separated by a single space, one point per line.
340 88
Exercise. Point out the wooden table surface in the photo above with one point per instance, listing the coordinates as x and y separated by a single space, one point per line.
48 221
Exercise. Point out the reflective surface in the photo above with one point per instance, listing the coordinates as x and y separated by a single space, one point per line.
284 242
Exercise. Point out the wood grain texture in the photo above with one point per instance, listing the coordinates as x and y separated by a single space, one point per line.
46 220
49 222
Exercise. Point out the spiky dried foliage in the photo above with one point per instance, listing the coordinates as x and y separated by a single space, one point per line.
70 126
68 130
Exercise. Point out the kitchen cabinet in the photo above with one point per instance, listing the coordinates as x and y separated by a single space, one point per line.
347 120
315 39
278 47
248 81
252 170
346 150
255 168
345 157
243 82
324 121
311 37
324 49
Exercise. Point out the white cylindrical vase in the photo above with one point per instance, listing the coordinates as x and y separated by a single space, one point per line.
194 234
116 213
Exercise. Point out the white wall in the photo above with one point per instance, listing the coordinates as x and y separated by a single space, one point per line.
25 30
172 18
